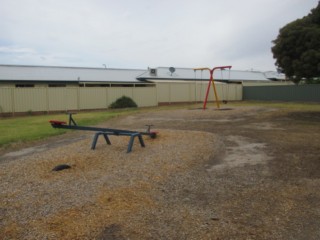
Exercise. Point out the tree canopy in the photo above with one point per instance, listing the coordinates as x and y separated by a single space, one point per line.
297 47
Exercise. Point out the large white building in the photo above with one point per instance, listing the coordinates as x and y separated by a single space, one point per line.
30 76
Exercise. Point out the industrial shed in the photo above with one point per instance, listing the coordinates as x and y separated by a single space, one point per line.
37 76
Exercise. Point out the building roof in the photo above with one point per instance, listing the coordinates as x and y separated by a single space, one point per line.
275 75
68 74
163 73
21 73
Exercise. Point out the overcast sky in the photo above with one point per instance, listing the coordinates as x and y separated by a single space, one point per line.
145 33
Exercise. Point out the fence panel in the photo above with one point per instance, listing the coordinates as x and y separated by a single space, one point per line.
163 92
92 98
179 92
29 99
145 96
227 92
72 100
6 97
56 98
201 91
62 99
233 92
116 92
304 93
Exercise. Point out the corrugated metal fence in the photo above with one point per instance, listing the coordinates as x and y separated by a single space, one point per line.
41 99
302 93
46 99
195 92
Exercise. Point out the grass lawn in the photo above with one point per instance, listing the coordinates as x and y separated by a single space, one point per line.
23 129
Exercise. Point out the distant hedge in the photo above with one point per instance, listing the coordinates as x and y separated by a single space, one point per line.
123 102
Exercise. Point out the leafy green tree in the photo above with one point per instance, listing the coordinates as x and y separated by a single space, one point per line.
297 47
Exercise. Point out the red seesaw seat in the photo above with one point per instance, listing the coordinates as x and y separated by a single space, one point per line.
153 134
55 122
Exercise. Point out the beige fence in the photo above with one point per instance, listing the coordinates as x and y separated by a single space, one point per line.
46 99
16 100
195 92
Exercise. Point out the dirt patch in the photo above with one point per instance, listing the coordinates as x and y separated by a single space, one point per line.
263 126
242 152
38 148
246 173
305 116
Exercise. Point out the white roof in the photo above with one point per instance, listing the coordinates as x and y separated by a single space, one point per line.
68 74
107 75
189 74
275 75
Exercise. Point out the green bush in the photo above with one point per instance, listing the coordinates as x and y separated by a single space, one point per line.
123 102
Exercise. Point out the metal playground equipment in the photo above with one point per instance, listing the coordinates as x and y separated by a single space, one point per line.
213 85
105 132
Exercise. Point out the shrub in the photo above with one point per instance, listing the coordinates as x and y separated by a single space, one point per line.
29 112
123 102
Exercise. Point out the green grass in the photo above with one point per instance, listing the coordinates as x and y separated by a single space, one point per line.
24 129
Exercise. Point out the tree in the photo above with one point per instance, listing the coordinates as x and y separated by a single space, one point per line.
297 47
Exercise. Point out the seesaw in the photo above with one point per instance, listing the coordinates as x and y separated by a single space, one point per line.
105 132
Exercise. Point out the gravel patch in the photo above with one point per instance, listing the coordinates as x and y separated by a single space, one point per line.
102 186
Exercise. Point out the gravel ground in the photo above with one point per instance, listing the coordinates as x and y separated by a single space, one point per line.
241 173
